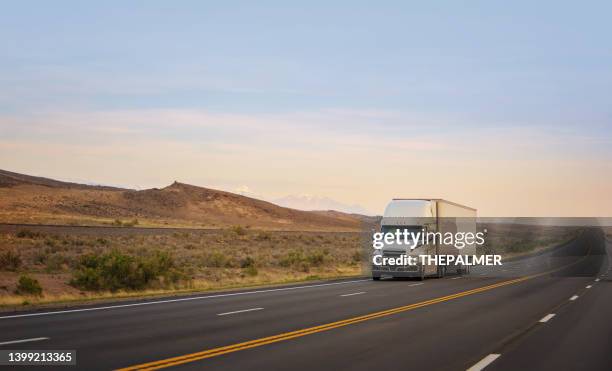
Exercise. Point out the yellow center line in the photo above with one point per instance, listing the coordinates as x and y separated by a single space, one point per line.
174 361
308 331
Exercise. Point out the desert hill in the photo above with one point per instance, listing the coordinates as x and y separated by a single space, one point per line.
10 179
30 199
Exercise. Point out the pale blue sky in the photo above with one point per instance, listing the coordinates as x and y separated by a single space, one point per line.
257 93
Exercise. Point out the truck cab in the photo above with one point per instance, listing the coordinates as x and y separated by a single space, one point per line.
422 215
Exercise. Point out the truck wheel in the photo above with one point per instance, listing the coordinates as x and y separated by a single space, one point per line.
422 276
441 272
376 278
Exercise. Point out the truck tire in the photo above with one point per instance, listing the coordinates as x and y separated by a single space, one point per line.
422 276
441 272
376 278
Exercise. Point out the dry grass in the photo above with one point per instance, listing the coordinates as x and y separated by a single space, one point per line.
265 278
211 260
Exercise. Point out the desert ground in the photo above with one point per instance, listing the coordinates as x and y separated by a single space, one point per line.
75 263
35 200
196 259
65 242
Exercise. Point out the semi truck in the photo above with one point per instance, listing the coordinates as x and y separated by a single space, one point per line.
424 215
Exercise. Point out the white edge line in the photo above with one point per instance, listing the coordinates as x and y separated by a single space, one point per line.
484 362
589 286
22 341
354 293
597 280
456 278
574 297
176 300
239 311
416 284
547 318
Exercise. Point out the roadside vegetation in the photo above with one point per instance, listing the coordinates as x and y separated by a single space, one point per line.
515 239
73 267
74 264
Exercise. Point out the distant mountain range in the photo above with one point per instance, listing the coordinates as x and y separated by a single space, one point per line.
311 203
31 199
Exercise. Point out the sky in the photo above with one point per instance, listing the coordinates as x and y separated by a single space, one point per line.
505 107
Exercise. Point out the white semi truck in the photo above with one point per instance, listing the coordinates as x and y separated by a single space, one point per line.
424 215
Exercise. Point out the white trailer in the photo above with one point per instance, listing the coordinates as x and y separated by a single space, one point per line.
424 215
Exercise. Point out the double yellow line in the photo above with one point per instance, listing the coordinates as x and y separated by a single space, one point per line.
174 361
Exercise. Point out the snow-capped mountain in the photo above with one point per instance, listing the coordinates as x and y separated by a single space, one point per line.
310 202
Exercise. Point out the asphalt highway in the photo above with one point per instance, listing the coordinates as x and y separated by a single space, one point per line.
552 311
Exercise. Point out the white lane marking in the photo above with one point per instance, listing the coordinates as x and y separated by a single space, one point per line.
22 341
547 317
416 284
574 297
456 278
239 311
589 286
597 280
178 300
354 293
484 362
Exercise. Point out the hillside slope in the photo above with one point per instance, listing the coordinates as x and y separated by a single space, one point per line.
28 199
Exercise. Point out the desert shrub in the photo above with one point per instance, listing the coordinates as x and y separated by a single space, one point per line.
303 267
297 260
251 270
10 260
316 258
215 260
26 233
54 263
50 242
28 286
102 241
118 271
247 262
308 240
180 235
238 230
263 236
40 257
292 258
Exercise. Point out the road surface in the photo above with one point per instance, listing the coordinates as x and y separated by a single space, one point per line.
546 312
